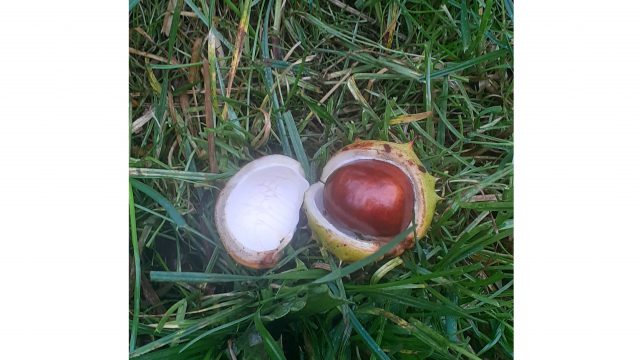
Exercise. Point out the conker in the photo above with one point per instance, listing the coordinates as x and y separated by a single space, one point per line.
369 197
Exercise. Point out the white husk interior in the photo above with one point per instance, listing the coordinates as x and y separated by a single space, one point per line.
262 210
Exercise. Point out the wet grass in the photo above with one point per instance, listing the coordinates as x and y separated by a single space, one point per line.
305 78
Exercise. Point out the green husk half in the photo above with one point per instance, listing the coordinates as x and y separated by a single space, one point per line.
348 246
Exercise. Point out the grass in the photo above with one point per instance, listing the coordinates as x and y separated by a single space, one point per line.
305 78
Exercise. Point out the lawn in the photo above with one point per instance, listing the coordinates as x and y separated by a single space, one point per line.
215 84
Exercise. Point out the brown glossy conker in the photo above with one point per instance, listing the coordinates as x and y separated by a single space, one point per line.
369 197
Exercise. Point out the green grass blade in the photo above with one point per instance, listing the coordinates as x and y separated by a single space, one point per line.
320 110
168 314
195 277
162 201
162 100
441 341
418 279
268 77
216 330
190 329
508 4
488 205
469 63
430 139
197 11
136 260
493 342
484 23
274 350
298 148
472 248
464 25
132 4
375 348
421 303
146 173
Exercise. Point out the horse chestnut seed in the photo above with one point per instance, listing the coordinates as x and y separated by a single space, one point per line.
370 197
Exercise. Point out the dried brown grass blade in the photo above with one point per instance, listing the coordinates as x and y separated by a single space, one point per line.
137 125
208 111
264 133
195 57
353 88
148 55
141 31
387 37
403 119
237 49
489 197
168 16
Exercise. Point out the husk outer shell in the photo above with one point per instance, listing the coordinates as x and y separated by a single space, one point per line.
351 249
